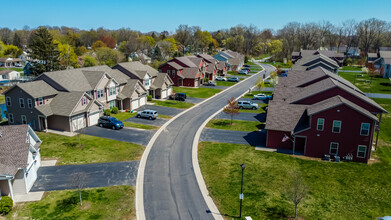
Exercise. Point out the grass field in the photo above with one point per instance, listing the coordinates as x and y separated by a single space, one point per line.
115 202
352 68
197 92
336 191
92 150
375 84
237 125
224 83
15 69
173 104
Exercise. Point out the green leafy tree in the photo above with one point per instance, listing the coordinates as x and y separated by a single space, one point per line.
44 51
81 50
260 84
12 50
157 54
173 46
68 56
107 56
89 61
98 44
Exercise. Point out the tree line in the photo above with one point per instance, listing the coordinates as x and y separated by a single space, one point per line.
72 47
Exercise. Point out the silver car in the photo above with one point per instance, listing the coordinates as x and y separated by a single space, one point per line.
150 114
247 105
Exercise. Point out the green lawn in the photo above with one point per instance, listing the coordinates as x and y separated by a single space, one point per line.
224 83
250 95
197 92
262 56
336 190
122 116
237 125
173 104
281 64
92 150
385 126
15 69
376 84
2 99
259 110
353 68
114 202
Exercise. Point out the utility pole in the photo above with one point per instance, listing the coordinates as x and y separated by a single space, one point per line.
241 190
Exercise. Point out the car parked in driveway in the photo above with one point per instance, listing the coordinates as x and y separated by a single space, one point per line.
247 105
220 78
261 97
178 96
245 65
150 114
210 83
110 122
243 72
233 79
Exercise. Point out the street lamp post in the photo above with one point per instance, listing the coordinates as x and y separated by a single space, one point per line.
241 190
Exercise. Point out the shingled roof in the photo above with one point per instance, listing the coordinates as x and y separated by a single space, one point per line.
190 73
36 89
282 116
139 69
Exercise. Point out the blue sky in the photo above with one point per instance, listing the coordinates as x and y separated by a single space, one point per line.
162 15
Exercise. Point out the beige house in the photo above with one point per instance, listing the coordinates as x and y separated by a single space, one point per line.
9 75
19 159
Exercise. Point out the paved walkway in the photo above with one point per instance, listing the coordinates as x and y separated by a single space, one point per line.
97 175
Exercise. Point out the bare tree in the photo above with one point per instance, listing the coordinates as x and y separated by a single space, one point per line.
369 33
231 108
296 190
79 180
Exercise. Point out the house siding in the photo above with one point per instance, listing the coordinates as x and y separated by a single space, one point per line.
57 122
274 140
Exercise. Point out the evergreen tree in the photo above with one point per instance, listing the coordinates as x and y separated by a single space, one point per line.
44 51
157 54
17 41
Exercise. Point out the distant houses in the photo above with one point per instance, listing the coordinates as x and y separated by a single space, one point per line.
308 54
234 60
382 61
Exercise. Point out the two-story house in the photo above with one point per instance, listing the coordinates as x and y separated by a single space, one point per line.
333 55
382 61
211 68
20 159
233 60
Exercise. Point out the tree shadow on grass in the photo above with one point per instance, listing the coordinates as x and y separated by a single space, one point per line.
222 123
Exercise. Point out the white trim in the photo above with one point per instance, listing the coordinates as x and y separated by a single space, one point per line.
331 143
317 124
369 127
365 152
340 127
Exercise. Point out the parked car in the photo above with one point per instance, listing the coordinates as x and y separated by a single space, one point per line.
247 69
247 104
110 122
261 97
178 96
245 65
220 78
233 79
210 83
150 114
243 72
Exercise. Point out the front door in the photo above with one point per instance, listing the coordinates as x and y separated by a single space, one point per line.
300 144
42 124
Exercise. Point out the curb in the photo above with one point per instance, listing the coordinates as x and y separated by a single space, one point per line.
140 212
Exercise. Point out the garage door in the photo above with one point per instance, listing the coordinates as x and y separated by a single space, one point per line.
195 83
164 94
169 91
93 118
31 176
143 100
78 123
134 104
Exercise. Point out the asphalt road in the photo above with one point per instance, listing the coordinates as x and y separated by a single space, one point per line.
170 187
255 138
378 95
136 136
97 175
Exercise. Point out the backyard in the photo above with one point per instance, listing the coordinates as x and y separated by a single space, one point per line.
115 202
92 149
366 83
197 92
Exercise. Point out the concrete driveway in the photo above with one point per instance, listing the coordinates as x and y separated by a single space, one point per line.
255 138
155 122
244 116
97 175
161 109
131 135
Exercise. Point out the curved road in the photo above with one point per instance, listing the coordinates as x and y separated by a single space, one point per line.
170 186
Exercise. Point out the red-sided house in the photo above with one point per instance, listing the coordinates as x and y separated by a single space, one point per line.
185 71
211 68
334 127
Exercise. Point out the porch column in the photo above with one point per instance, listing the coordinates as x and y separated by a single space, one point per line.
46 124
11 190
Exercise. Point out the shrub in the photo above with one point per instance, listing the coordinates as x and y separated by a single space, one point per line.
107 112
149 98
206 80
245 59
114 110
6 204
349 61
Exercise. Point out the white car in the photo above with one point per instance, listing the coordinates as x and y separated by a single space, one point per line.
220 78
150 114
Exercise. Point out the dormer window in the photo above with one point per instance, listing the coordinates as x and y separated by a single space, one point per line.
40 101
84 101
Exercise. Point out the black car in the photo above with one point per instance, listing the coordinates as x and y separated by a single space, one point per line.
178 96
110 122
245 65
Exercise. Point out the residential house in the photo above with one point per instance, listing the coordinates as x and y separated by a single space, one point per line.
157 86
19 159
313 61
9 75
185 71
303 54
10 62
211 68
382 61
234 60
316 112
351 52
221 68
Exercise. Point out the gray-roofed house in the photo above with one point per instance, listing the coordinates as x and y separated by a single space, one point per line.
9 75
234 60
19 159
314 61
382 61
333 55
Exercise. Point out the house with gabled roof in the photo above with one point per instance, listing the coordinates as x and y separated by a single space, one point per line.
318 60
234 60
333 55
382 61
20 159
211 66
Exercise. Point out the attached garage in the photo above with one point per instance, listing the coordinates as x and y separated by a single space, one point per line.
93 118
78 122
169 91
135 104
164 94
143 101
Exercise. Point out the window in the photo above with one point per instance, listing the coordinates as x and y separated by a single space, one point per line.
40 101
11 117
337 126
361 151
364 129
100 93
84 101
112 104
320 125
112 90
168 72
24 119
334 148
21 103
173 72
146 82
29 103
89 92
8 101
